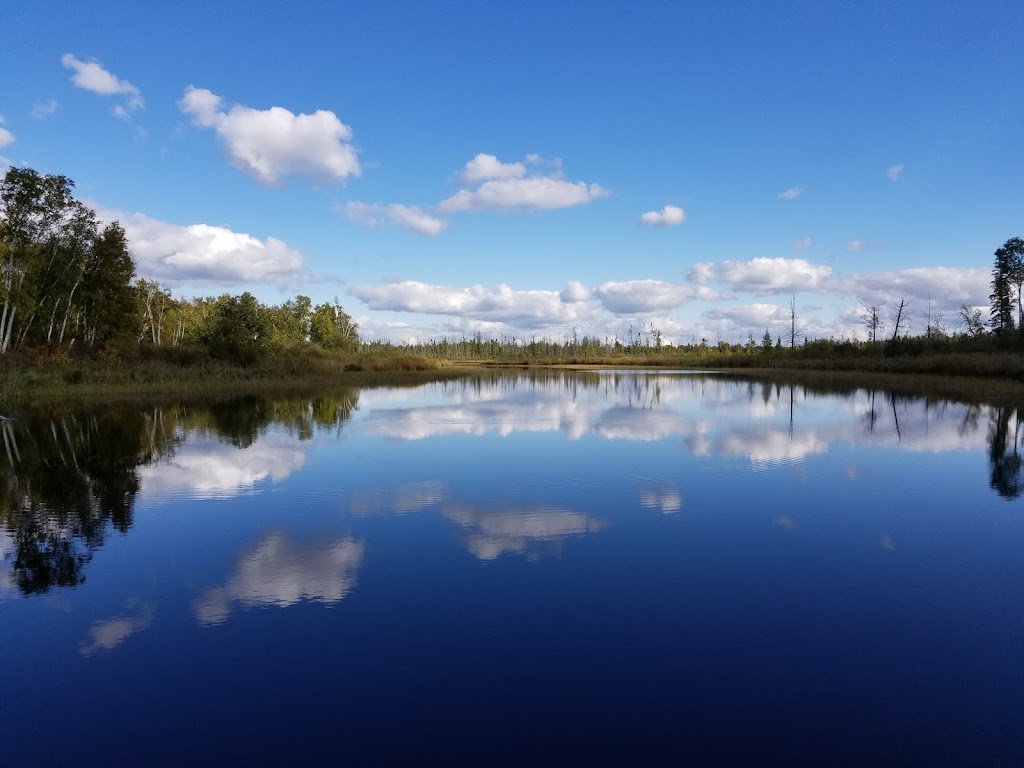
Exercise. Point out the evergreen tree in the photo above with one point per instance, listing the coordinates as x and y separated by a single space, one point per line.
1007 274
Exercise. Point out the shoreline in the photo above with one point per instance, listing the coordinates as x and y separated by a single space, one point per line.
305 375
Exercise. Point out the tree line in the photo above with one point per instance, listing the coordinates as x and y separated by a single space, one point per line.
67 280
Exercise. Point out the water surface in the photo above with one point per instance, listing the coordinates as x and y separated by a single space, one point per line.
582 566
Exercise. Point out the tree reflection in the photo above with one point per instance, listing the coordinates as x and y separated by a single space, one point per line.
67 477
1004 452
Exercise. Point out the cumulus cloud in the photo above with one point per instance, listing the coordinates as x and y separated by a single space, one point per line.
856 246
271 143
575 292
747 316
506 186
533 309
165 251
948 287
91 76
894 172
408 217
43 109
6 137
668 216
488 167
791 194
802 244
701 273
765 275
642 296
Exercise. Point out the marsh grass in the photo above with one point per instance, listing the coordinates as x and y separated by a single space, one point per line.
187 371
184 372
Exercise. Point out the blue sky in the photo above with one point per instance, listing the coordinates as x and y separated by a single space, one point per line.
447 168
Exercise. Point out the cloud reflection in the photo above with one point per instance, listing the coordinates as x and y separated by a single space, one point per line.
666 501
711 417
488 533
278 572
7 587
107 635
206 469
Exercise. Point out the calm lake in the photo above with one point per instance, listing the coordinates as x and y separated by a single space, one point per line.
515 568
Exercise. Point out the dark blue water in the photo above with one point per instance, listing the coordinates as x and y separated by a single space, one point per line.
602 568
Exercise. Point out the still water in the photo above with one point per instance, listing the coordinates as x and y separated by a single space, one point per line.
599 567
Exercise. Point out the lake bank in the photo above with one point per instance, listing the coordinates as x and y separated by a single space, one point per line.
997 378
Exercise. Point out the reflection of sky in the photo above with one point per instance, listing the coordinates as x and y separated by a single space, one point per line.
665 501
712 417
110 633
489 533
7 588
279 572
211 469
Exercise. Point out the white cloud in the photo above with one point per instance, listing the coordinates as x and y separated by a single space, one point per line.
575 292
802 244
165 251
747 316
506 187
408 217
91 76
791 194
642 296
701 273
527 308
373 329
43 109
948 287
894 172
6 137
488 167
764 275
531 309
856 246
668 216
268 144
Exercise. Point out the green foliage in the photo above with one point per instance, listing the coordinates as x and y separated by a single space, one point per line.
107 294
332 328
971 319
289 324
237 330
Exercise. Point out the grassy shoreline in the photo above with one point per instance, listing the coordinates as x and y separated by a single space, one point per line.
970 377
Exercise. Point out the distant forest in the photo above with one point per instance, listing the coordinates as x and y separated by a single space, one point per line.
68 283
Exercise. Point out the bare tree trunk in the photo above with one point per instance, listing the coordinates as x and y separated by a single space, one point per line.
6 338
901 312
67 311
